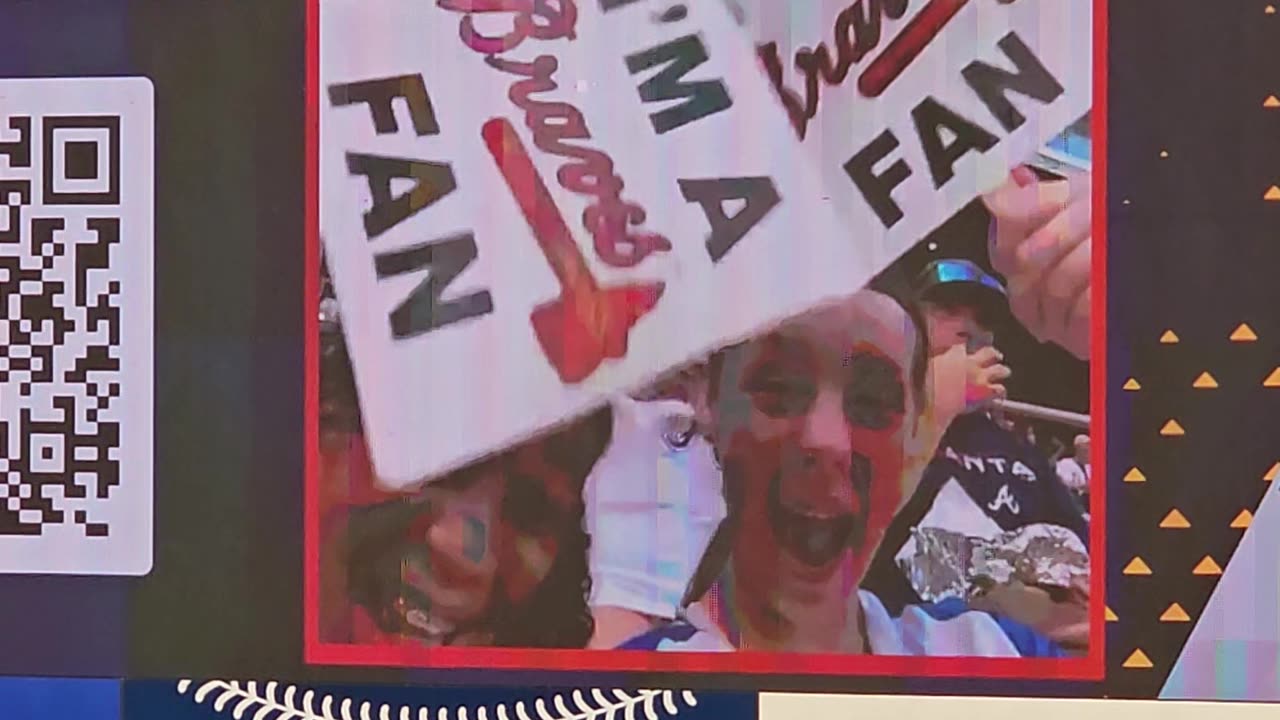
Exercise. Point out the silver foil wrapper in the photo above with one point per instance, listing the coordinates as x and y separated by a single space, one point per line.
951 565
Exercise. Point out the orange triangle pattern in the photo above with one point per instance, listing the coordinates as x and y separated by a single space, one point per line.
1273 193
1135 476
1138 660
1243 520
1137 566
1172 429
1132 384
1110 615
1273 380
1175 613
1205 382
1271 102
1175 521
1272 473
1169 337
1244 333
1207 566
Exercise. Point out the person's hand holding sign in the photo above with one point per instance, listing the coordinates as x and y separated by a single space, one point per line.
1041 244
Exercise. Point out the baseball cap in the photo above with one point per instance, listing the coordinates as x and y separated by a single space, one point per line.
956 282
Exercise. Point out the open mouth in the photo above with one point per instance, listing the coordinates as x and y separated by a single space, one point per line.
817 538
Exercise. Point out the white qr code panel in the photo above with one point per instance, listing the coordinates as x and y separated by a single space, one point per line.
76 325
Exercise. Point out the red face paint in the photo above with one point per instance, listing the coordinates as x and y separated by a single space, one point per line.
813 422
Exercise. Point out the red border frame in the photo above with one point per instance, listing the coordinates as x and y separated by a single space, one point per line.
311 340
1091 667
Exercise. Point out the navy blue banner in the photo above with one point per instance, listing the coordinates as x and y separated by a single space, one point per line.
215 699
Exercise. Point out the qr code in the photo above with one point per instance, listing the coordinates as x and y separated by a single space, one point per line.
76 325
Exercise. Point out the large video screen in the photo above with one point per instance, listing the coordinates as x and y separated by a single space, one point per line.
732 337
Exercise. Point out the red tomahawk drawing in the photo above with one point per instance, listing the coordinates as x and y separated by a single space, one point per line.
586 324
908 44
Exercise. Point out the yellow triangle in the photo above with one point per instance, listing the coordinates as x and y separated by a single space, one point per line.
1175 613
1273 193
1110 615
1132 384
1273 380
1243 520
1205 382
1272 473
1175 521
1137 567
1169 337
1244 333
1135 476
1271 102
1139 660
1172 429
1207 566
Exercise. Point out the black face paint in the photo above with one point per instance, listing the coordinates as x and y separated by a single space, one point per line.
874 394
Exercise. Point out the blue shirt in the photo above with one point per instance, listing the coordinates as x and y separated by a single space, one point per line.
945 629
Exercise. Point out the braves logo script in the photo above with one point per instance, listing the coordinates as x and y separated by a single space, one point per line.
858 32
587 323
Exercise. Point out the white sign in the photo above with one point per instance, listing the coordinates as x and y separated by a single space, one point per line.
911 108
527 205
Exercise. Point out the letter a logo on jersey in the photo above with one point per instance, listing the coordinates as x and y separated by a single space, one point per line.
1005 499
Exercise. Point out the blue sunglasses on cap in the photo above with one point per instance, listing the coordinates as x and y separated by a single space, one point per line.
945 272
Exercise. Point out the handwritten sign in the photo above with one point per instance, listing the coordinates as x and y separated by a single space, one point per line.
528 205
911 108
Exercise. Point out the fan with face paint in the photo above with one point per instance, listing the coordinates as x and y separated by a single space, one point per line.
820 410
822 427
491 555
813 423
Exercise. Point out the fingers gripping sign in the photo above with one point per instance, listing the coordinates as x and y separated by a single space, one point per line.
1041 243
